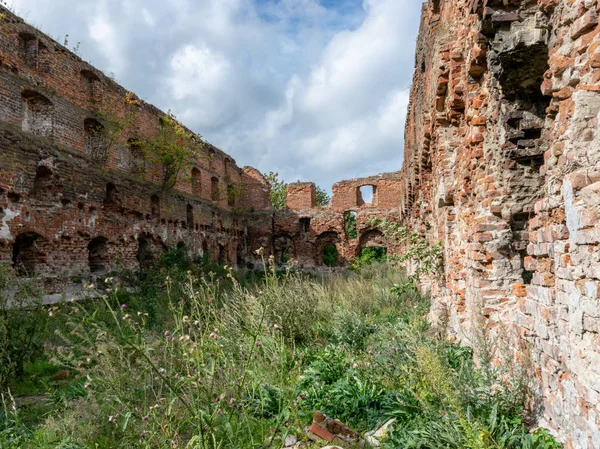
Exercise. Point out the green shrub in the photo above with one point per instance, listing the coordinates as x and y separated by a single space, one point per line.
266 401
369 256
330 255
351 329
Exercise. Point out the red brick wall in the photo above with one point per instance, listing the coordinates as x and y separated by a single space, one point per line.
64 79
45 98
301 196
500 164
304 229
387 191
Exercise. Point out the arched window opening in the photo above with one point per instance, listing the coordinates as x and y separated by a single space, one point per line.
145 257
214 188
112 195
222 255
305 225
98 255
28 48
330 255
137 161
181 245
205 251
43 184
230 196
38 114
90 83
435 6
196 182
350 224
96 145
327 253
190 217
372 247
367 195
26 254
155 206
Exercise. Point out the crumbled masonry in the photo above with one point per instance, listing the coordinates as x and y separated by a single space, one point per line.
72 207
324 428
501 165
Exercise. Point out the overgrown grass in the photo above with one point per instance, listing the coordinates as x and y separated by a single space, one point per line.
222 360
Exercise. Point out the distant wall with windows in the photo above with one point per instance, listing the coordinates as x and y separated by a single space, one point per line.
333 235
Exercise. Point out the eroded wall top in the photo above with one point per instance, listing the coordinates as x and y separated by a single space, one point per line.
51 92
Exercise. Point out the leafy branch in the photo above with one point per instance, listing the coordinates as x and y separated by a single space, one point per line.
423 258
113 120
174 149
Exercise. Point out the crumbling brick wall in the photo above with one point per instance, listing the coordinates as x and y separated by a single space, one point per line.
68 210
501 164
302 230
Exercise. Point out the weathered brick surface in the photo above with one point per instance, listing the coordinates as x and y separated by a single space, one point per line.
333 431
66 214
303 229
501 164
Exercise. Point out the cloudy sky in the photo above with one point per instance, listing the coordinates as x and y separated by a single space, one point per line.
316 90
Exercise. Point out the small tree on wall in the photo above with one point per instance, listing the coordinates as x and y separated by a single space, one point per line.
278 190
114 121
173 149
322 197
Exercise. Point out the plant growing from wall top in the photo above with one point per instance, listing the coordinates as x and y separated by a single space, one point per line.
114 119
278 190
322 197
423 258
174 149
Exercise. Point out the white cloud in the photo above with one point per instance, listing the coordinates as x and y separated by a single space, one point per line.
313 89
103 33
148 17
346 116
203 76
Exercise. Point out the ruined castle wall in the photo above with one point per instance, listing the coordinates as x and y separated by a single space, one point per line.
69 207
302 231
501 165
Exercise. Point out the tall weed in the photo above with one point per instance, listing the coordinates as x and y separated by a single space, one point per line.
190 358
